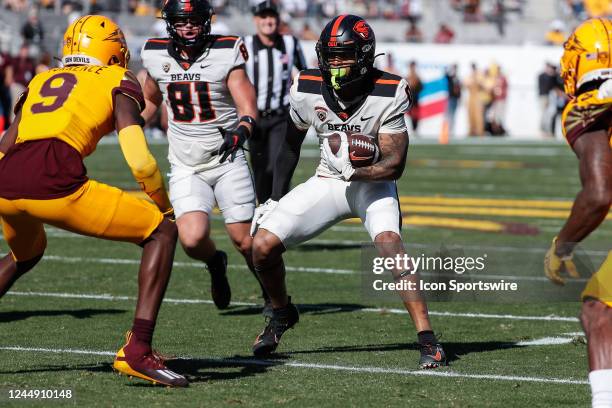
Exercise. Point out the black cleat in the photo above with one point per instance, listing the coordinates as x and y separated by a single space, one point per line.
219 286
282 320
432 356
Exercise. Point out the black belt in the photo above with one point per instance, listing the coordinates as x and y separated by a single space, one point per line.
272 112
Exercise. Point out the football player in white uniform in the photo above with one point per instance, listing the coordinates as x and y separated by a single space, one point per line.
211 104
347 94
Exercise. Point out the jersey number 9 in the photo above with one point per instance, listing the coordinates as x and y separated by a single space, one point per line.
59 87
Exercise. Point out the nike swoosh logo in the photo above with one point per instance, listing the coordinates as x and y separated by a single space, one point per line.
438 356
204 66
368 118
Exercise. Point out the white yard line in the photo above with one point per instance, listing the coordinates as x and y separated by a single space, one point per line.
109 297
120 261
305 269
331 367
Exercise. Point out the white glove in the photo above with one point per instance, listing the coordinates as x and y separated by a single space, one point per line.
605 90
261 213
342 165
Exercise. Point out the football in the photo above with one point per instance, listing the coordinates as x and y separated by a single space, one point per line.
363 150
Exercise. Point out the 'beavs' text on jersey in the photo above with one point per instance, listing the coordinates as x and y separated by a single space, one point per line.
382 111
74 104
196 95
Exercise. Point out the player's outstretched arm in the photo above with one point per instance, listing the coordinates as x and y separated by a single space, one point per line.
152 94
243 94
136 151
593 201
393 150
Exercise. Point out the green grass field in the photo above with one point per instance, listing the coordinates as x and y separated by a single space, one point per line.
62 322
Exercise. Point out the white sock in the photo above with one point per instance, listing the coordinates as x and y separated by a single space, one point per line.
601 386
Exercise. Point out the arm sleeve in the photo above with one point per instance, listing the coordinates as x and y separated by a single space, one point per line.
289 156
143 165
298 111
393 118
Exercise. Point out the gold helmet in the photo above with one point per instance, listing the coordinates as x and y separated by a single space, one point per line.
587 54
95 40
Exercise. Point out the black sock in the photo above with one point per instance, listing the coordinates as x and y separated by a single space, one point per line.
284 311
427 337
216 261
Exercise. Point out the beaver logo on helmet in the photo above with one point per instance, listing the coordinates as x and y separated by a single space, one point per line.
362 29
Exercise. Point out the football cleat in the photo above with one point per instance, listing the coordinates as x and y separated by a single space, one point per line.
432 356
219 286
281 321
149 366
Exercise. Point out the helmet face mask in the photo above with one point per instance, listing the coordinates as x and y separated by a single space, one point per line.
345 52
188 22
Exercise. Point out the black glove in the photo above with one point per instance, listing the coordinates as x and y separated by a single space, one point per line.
232 141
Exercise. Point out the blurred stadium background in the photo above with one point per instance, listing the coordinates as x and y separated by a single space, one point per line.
514 46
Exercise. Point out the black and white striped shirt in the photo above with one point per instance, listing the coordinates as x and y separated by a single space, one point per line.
269 69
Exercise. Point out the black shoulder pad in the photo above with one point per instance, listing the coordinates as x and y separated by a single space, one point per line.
219 41
310 81
156 44
385 84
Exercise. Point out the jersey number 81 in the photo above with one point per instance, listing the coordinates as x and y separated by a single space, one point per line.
182 104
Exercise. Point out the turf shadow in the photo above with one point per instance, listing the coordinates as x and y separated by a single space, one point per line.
312 309
317 246
17 315
200 370
454 351
94 368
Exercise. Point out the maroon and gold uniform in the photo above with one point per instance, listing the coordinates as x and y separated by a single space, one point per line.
586 68
64 114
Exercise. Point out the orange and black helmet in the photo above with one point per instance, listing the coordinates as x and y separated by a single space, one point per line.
346 37
199 11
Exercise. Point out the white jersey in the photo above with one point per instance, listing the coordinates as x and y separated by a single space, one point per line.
382 111
197 97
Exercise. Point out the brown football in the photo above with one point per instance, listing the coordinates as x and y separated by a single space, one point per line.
363 149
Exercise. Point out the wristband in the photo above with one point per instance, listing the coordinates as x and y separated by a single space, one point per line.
248 119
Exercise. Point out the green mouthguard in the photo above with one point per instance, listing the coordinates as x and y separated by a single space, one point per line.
337 73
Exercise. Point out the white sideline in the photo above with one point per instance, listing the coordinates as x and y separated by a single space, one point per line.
334 367
366 310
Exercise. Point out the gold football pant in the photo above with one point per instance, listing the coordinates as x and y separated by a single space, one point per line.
95 209
600 284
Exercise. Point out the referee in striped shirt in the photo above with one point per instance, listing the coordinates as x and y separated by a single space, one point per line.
272 58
